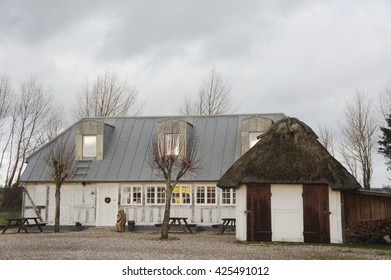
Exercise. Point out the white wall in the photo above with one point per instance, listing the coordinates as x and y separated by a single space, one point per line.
81 204
77 203
86 204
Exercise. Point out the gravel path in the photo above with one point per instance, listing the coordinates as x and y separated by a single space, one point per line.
105 244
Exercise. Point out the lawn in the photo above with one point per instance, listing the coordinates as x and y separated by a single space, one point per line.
5 215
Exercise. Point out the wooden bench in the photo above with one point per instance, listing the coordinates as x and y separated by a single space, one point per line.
160 224
179 222
23 224
36 225
228 223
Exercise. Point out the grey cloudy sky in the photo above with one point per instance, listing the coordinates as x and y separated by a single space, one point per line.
302 58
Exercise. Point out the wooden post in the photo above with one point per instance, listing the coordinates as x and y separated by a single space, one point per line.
33 204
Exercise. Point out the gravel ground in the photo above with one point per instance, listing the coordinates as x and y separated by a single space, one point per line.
105 244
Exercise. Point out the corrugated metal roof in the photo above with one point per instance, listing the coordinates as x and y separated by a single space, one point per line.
127 149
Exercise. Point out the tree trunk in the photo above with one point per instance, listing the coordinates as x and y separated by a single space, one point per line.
166 219
57 211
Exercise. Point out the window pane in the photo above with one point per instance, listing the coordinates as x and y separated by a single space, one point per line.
126 195
211 195
200 195
89 146
161 195
228 196
171 142
176 195
136 195
150 195
225 196
181 195
186 195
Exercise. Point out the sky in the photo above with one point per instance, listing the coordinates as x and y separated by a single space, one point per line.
305 59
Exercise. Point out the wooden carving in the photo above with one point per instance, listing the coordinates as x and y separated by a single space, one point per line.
121 220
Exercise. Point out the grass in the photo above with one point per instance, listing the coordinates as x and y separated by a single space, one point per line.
347 246
6 215
367 246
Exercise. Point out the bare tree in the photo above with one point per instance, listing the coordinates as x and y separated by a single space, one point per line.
53 125
173 157
62 166
108 95
385 100
5 108
188 107
358 136
5 100
29 121
214 97
326 138
29 116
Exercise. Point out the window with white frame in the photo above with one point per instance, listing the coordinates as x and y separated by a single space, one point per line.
228 197
156 195
253 138
131 195
171 143
181 195
205 195
89 146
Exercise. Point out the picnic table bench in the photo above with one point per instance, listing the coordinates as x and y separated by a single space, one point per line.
23 224
180 222
226 224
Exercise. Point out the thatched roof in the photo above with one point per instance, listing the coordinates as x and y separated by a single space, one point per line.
288 153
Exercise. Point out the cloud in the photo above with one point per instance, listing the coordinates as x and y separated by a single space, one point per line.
218 29
305 58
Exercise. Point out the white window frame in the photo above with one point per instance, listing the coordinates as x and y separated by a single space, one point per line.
91 151
182 200
206 190
128 196
231 199
156 191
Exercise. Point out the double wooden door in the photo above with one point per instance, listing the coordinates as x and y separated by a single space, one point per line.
316 226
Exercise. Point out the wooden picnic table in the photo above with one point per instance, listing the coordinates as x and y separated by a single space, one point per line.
179 222
23 224
227 223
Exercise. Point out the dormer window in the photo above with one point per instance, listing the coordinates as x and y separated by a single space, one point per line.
253 138
251 128
89 146
91 138
171 143
174 136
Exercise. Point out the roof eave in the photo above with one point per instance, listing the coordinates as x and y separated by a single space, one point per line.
247 180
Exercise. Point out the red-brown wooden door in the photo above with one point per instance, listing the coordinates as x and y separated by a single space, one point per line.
259 226
316 213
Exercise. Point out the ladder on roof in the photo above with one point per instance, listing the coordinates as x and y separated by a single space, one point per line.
81 169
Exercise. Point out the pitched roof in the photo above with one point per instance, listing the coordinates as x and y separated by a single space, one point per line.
288 153
126 149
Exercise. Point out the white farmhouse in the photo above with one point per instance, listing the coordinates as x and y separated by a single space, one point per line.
113 170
